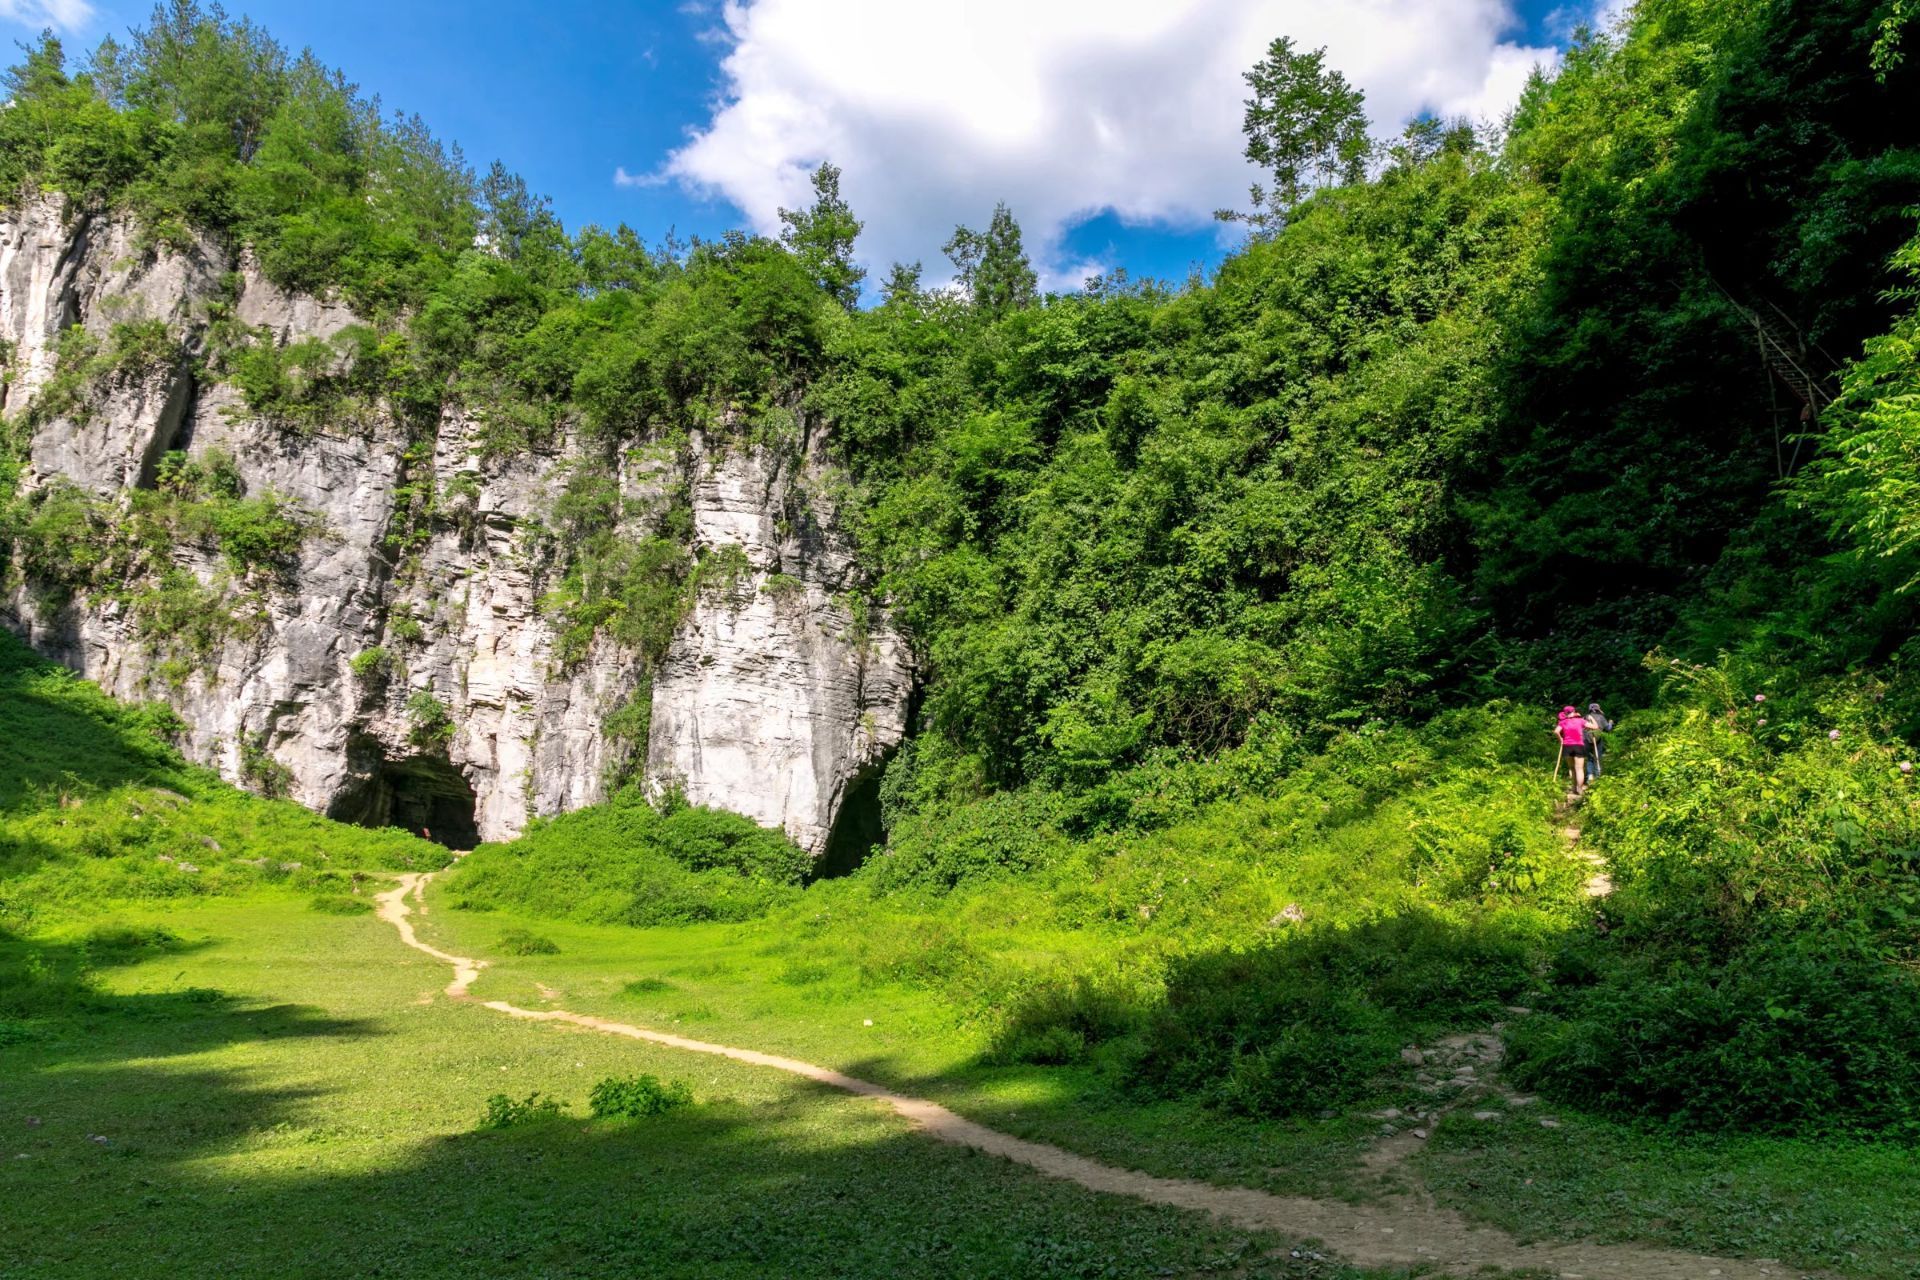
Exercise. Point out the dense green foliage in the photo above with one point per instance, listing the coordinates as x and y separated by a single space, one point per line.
629 862
637 1097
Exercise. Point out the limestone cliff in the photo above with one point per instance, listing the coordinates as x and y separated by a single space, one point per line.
776 698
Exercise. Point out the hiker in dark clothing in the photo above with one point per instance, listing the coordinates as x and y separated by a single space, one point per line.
1597 726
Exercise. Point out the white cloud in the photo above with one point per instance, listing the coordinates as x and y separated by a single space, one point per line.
935 109
67 15
621 178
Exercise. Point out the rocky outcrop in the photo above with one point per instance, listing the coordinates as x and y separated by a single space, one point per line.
778 698
773 700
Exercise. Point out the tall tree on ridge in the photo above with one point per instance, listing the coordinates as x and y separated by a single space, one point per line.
1306 126
822 237
992 265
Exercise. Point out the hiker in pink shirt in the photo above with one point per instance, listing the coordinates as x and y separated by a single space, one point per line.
1573 745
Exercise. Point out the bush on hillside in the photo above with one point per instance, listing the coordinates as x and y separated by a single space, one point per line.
1788 812
628 862
1796 1036
1756 970
1318 1020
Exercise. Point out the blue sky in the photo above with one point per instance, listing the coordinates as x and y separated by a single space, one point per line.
1110 126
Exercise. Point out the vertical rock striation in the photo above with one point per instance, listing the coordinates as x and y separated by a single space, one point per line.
775 699
778 697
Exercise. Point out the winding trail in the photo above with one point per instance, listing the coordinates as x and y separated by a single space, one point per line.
1403 1233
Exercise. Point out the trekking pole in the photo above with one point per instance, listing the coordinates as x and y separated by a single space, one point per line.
1558 757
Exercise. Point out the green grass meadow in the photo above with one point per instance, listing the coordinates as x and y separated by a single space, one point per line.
284 1092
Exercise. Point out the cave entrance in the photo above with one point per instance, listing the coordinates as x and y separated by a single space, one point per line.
426 795
857 828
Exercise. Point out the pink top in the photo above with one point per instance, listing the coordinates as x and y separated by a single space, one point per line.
1573 730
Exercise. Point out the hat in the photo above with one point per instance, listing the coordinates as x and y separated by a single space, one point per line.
1568 711
1593 706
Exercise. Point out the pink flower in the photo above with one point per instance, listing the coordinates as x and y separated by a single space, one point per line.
1759 697
1762 720
1833 735
1906 766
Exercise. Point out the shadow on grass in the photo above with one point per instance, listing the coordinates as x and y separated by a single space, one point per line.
807 1185
55 1017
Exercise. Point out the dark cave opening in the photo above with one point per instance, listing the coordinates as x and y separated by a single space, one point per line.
857 828
426 795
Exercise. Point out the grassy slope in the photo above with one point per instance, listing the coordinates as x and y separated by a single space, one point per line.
93 804
280 1091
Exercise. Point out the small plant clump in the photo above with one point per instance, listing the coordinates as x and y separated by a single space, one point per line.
432 722
505 1112
637 1097
525 942
371 665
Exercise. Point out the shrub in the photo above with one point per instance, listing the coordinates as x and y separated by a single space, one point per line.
637 1097
431 723
504 1112
1008 833
1800 1035
1315 1021
1057 1021
626 862
370 664
260 770
524 942
339 904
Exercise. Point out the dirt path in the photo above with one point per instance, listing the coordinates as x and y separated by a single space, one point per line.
1398 1234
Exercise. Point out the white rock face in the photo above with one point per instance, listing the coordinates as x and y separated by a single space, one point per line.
770 702
774 701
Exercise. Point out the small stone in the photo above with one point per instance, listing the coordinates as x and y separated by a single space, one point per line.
867 1023
100 1138
1549 1123
1486 1115
211 843
188 867
1518 1010
33 1122
1516 1101
1420 1133
1389 1113
1412 1056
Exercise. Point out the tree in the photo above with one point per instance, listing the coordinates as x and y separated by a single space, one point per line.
520 226
822 237
902 283
1427 138
1306 126
992 266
